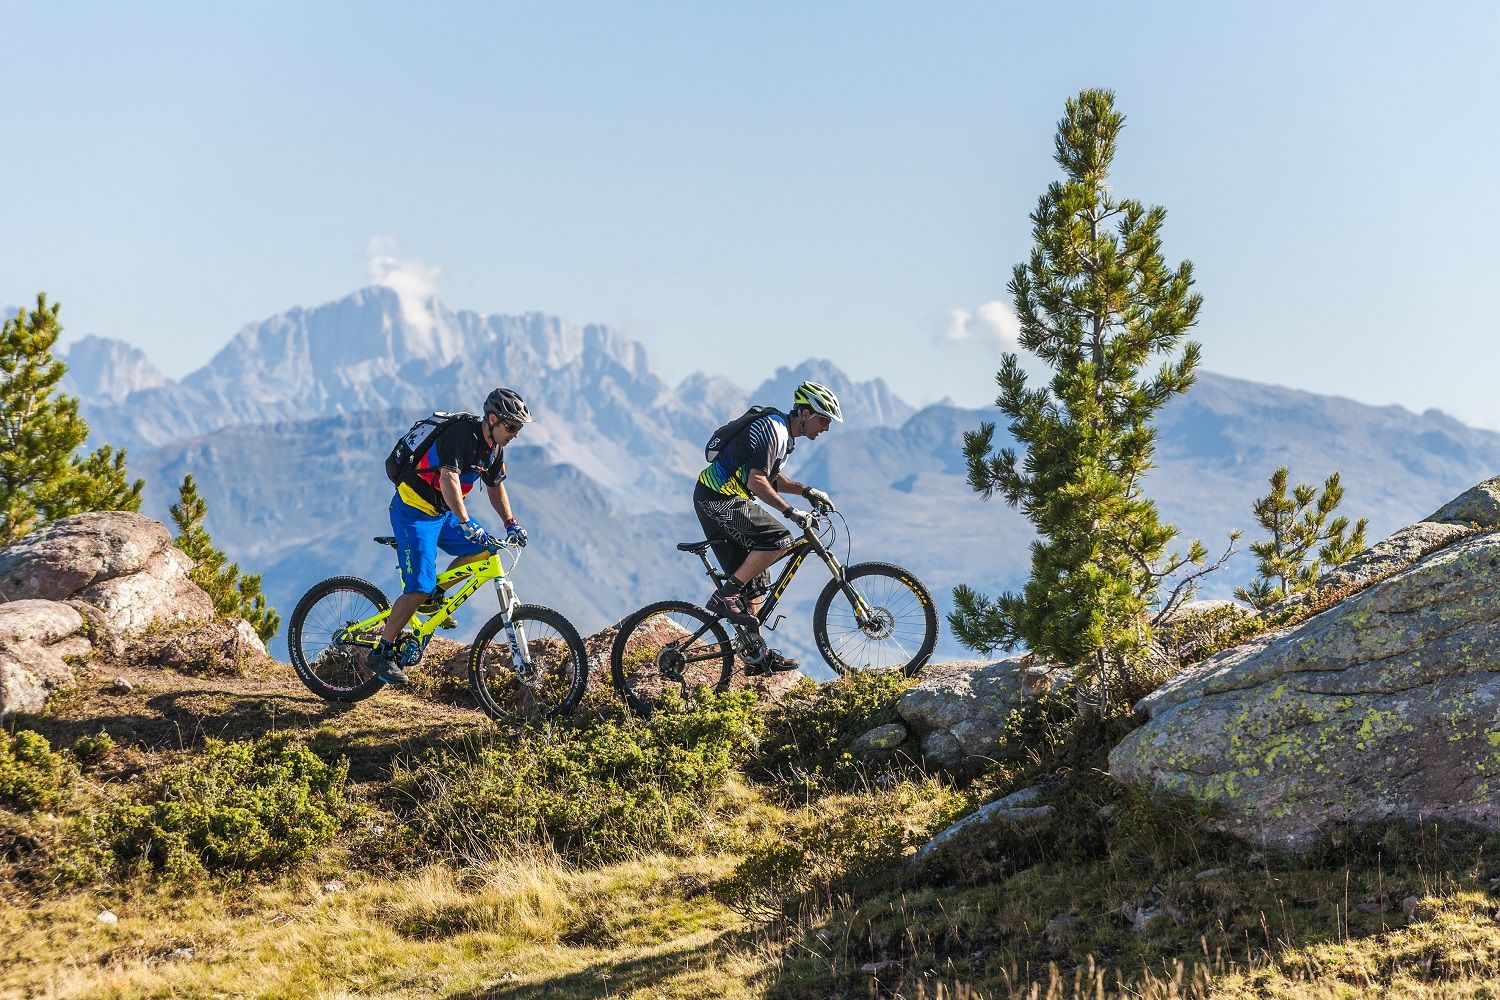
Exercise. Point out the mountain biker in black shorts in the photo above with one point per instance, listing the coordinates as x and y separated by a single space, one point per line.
746 538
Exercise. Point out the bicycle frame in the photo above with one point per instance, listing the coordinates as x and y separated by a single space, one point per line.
458 585
808 544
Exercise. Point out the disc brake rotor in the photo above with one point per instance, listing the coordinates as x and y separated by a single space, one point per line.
879 625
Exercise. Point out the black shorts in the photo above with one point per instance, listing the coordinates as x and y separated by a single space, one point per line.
737 526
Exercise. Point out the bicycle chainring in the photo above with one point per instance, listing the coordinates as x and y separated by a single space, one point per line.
754 648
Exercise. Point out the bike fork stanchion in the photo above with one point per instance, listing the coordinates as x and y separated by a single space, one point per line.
862 611
519 654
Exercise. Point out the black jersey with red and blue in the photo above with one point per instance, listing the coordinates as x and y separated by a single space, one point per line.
461 448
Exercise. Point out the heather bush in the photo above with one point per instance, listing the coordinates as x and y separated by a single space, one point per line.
233 808
809 732
595 795
32 776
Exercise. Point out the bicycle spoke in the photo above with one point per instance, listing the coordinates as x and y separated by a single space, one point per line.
888 636
332 668
670 647
531 692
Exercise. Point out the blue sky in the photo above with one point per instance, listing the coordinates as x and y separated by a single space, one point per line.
742 186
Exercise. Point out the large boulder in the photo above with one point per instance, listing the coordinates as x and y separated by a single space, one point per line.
122 563
1382 559
39 643
1386 706
1478 506
216 646
961 707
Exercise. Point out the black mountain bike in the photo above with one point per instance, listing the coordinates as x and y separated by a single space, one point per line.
871 615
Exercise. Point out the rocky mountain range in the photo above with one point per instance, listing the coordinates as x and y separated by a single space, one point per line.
285 429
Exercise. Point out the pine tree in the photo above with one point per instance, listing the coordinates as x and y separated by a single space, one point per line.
1096 302
1296 523
233 595
42 476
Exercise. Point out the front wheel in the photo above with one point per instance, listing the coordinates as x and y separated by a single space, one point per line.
897 629
665 645
328 656
549 680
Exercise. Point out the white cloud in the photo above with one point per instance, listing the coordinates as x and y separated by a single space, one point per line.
993 324
414 283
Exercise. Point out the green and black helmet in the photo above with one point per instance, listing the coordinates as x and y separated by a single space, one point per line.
818 398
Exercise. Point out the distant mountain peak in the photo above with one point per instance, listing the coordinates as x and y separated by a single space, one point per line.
101 369
865 404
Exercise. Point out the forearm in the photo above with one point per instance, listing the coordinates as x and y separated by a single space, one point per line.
761 488
500 500
453 494
785 485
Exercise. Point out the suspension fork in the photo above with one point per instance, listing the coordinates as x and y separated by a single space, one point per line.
862 611
519 654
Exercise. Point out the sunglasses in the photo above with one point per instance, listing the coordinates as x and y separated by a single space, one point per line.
513 428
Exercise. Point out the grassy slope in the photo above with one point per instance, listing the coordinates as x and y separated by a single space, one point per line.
1333 925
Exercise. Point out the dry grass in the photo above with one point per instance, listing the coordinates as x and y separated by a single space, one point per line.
524 926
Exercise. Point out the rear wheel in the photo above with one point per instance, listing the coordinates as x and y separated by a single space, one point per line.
672 644
898 631
547 685
329 658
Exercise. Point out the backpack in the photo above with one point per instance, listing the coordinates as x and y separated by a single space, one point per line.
415 442
720 438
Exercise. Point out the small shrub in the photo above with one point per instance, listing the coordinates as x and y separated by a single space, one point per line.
837 839
1195 637
235 807
595 795
809 733
32 776
92 749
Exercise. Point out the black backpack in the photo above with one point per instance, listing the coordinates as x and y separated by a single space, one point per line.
720 438
403 457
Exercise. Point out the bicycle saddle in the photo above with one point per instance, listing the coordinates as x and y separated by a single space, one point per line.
386 540
694 547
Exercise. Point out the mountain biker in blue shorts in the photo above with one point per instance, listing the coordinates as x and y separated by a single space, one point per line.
745 537
428 511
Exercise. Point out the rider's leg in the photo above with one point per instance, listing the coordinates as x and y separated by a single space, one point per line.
406 605
474 557
416 554
417 538
756 563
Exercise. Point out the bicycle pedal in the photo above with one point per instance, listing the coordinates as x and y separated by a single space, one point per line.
409 652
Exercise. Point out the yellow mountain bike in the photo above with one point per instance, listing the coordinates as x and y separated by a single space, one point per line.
527 664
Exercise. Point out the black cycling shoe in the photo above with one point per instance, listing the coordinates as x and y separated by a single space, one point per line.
383 664
773 662
733 606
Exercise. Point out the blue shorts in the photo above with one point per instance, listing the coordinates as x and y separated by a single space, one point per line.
418 538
